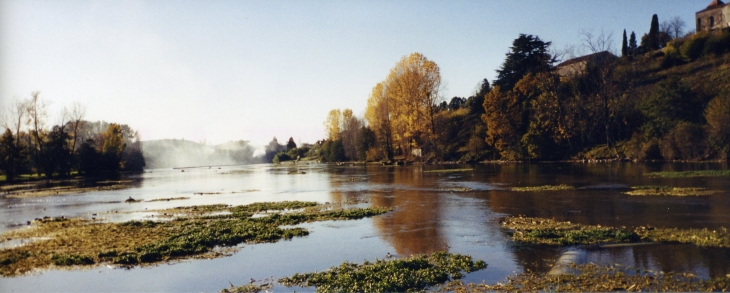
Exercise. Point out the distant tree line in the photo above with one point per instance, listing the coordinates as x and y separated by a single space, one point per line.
29 145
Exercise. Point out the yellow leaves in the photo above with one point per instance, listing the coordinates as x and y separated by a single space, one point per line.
332 124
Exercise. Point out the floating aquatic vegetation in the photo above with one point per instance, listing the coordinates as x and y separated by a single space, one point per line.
699 173
595 278
400 275
168 199
248 288
552 232
669 191
252 287
456 189
448 170
543 188
84 242
699 237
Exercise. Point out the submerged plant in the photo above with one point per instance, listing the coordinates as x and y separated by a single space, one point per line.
400 275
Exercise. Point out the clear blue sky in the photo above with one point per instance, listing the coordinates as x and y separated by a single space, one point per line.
252 70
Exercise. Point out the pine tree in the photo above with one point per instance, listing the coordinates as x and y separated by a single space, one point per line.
624 46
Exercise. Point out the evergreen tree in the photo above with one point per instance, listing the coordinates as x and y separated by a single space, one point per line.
652 42
624 46
291 144
528 54
632 44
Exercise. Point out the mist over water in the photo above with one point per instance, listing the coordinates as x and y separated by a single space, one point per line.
173 153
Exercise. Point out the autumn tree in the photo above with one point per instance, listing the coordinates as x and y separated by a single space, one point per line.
332 124
377 115
350 131
365 142
717 115
412 91
528 54
113 147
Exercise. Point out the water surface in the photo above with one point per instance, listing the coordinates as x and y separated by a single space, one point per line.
430 215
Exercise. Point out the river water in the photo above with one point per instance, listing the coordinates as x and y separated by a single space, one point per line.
430 215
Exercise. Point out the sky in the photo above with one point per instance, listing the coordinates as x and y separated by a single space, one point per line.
217 71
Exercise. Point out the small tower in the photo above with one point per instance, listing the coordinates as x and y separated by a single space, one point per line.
715 16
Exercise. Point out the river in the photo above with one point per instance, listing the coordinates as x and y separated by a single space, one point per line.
433 211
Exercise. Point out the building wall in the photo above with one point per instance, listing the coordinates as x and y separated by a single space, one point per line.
719 17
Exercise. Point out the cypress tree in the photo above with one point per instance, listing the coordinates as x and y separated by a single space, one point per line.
632 44
653 41
624 46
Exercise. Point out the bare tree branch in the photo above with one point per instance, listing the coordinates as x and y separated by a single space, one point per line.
603 41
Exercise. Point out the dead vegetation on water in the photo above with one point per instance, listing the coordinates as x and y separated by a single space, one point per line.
168 199
448 170
221 192
543 188
400 275
669 191
72 242
456 189
61 190
552 232
685 174
595 278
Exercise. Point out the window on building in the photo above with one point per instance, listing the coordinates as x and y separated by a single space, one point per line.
699 24
712 21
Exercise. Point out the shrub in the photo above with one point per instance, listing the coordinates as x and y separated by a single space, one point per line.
694 46
718 43
281 157
687 141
